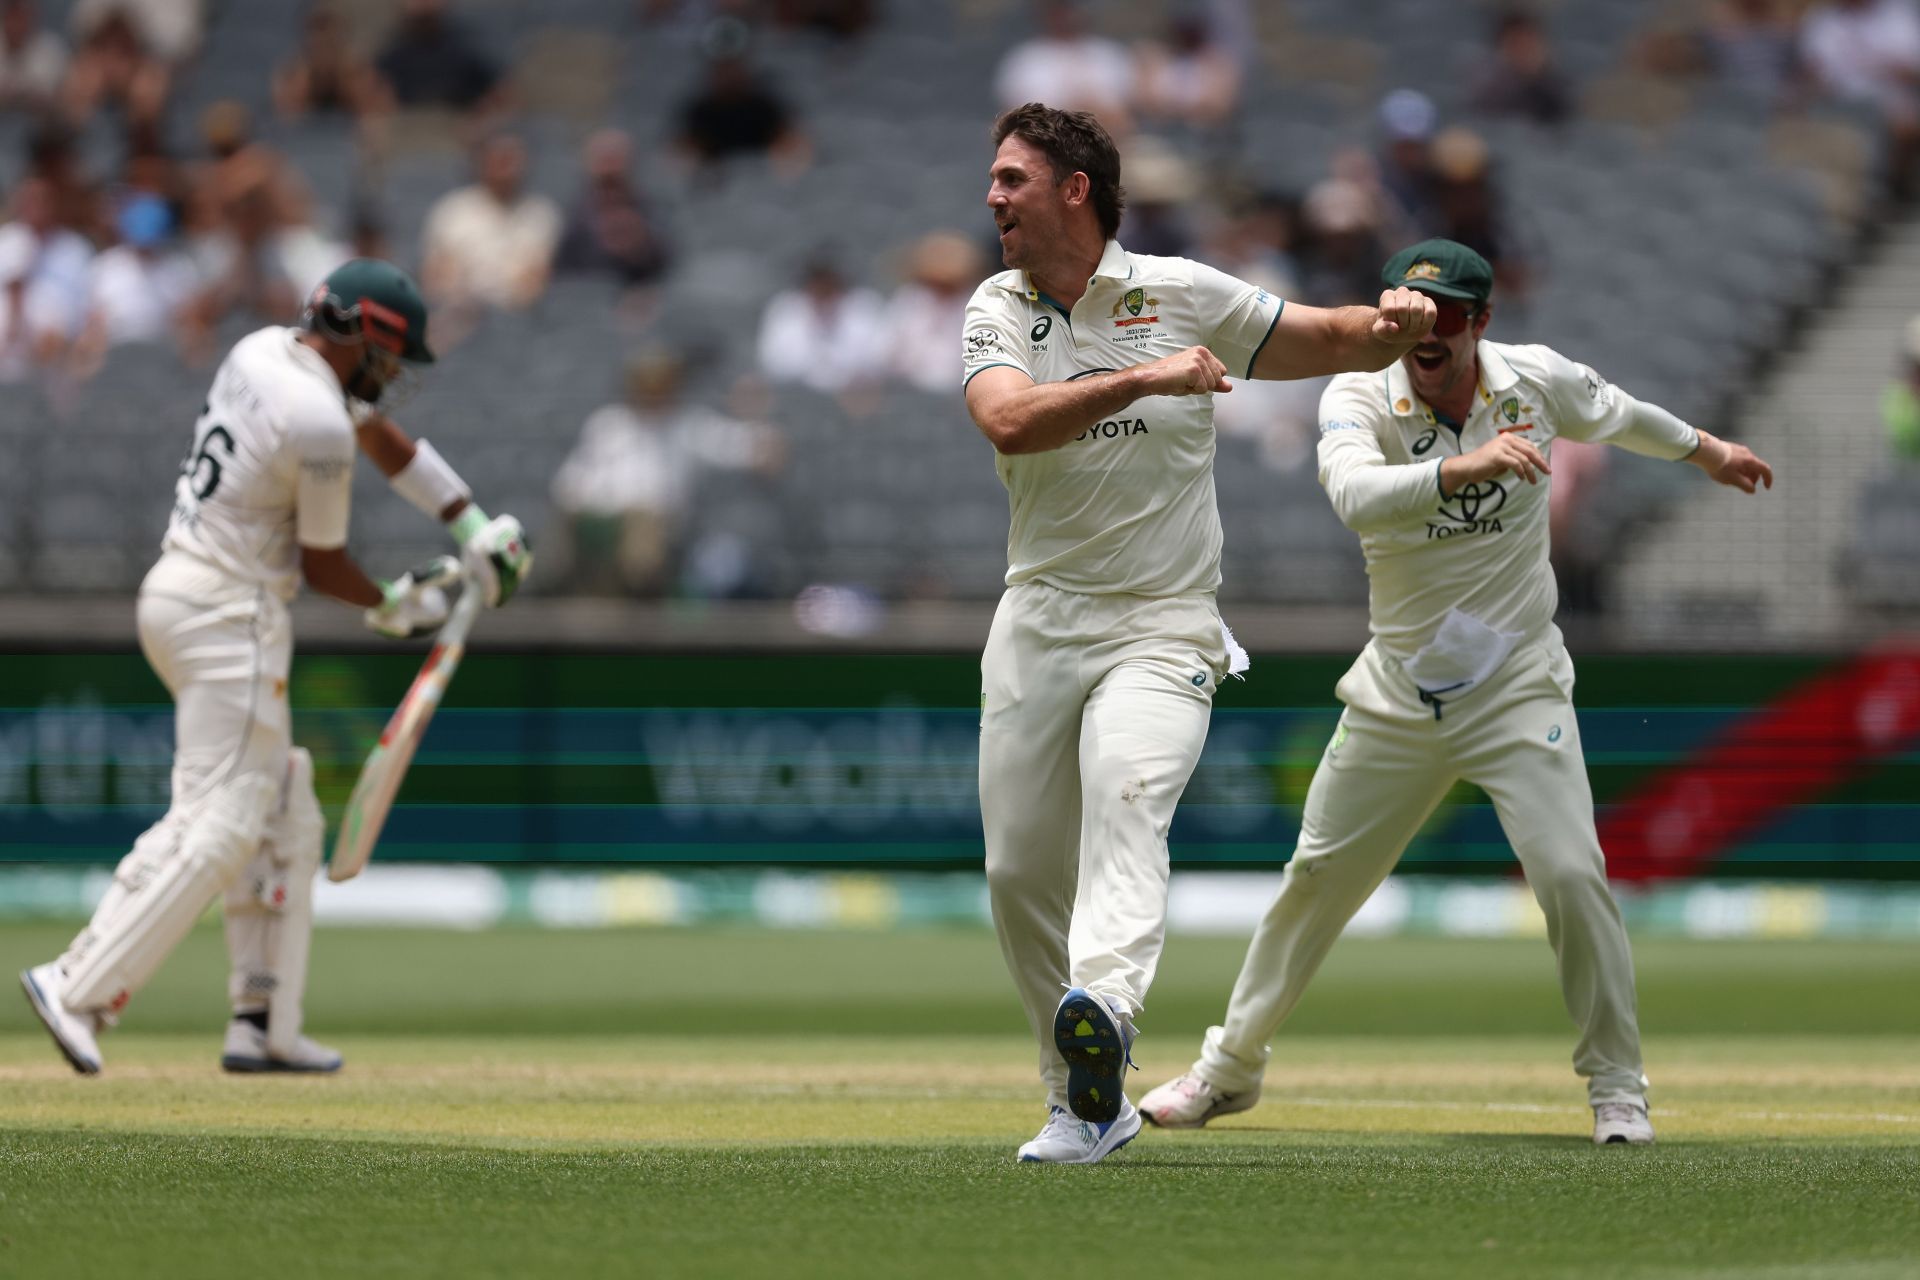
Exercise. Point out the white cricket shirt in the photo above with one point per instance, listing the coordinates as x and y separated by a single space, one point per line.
1128 505
1483 549
271 467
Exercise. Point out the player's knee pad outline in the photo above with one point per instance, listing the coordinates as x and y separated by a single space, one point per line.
291 845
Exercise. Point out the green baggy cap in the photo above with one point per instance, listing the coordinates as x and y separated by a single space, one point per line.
1445 268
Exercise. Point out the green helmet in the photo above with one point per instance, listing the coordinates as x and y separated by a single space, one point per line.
367 300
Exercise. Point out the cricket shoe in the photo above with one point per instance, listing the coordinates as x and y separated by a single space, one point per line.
1095 1044
73 1030
1621 1122
1067 1140
1191 1100
246 1052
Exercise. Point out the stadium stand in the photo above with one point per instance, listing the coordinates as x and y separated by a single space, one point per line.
1663 207
1847 531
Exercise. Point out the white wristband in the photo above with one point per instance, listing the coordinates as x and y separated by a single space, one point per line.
428 482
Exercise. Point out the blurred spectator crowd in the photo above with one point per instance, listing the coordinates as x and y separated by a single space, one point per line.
184 169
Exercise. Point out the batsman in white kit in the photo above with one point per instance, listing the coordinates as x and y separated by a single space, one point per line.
1092 371
1441 464
261 503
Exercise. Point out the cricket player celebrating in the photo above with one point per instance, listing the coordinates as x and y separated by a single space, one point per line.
261 503
1092 371
1440 464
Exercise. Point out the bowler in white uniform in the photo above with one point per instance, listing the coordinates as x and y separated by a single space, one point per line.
261 503
1441 464
1092 371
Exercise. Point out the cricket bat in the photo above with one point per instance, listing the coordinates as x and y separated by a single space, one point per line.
386 765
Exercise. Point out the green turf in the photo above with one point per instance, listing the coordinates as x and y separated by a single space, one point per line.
748 1103
752 981
1361 1205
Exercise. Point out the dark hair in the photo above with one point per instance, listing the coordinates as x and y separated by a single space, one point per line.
1074 142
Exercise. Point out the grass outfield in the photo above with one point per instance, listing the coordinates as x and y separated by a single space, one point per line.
739 1102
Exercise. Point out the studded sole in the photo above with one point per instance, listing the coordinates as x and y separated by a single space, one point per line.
1087 1036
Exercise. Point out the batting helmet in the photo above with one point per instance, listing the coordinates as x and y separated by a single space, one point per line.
367 300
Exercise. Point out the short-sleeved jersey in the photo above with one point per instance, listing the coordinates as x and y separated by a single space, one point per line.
1482 549
271 467
1128 505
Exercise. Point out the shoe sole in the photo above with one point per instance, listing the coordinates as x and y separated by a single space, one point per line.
42 1009
1089 1039
270 1066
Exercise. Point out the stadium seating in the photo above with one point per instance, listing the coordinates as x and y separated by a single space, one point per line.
1882 564
1647 230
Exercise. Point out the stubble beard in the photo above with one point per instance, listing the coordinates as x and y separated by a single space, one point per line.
1441 383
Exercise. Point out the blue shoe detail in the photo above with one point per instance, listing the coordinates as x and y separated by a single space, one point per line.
1067 1140
1096 1051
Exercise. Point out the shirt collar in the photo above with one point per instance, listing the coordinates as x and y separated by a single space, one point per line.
1114 265
315 362
1496 375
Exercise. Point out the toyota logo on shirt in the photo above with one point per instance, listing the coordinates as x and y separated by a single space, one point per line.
1475 502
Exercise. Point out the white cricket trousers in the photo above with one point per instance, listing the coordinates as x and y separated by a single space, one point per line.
1389 764
1093 710
223 648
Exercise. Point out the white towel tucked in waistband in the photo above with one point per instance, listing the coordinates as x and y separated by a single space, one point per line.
1237 659
1463 652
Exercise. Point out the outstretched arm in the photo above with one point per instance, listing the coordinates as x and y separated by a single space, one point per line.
1591 408
1310 341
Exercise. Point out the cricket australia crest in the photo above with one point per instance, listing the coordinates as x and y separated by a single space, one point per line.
1139 309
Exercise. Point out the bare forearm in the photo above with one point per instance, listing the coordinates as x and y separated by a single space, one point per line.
332 573
381 439
1711 455
1045 416
1311 342
1358 347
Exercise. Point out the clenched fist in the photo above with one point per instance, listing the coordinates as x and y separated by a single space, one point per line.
1192 372
1405 317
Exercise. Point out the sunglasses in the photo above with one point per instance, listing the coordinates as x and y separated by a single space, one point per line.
1452 317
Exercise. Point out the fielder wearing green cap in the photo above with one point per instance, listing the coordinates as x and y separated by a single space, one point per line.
1442 269
1442 464
259 505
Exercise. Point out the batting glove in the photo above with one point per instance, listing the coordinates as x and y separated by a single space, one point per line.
416 601
495 552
